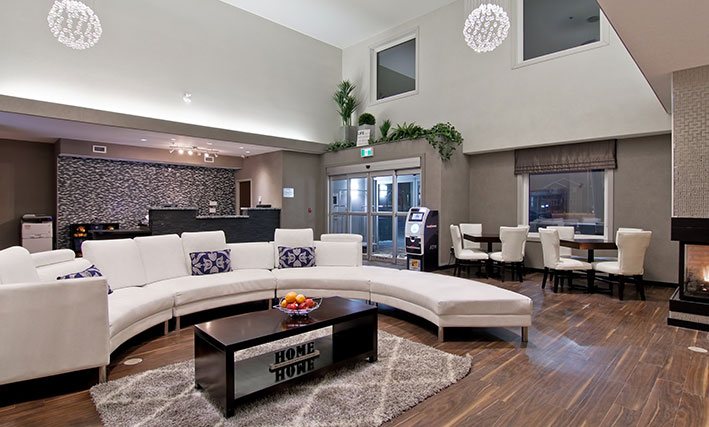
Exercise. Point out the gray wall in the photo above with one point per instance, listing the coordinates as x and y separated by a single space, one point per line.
302 173
97 190
27 185
590 95
642 198
266 174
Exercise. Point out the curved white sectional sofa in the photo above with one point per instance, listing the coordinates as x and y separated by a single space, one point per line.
74 324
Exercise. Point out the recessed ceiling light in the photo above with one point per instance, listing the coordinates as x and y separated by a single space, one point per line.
173 139
190 152
187 97
143 140
181 151
248 152
241 148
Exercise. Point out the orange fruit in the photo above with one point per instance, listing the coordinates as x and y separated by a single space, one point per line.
300 298
284 303
290 297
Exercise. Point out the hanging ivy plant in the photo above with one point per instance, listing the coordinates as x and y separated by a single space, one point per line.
445 138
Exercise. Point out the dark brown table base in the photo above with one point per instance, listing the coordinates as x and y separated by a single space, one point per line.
228 383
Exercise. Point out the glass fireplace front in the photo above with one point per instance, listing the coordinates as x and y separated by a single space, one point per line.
695 280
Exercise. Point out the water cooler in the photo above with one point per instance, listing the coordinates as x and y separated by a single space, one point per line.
422 239
37 232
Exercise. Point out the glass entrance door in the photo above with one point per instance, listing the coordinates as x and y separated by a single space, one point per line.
374 206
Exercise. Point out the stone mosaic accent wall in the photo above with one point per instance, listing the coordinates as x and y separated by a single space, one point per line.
690 141
97 190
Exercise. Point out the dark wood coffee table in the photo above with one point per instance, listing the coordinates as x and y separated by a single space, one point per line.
227 383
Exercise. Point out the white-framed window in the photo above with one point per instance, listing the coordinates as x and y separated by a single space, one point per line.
583 200
549 29
394 68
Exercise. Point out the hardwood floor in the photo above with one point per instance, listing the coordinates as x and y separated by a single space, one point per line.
591 360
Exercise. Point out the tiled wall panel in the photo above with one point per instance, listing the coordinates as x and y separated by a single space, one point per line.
690 105
96 190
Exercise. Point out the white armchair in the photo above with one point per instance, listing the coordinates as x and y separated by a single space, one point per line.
513 241
632 246
560 267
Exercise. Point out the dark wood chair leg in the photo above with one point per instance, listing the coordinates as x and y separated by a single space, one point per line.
556 281
544 279
520 269
640 285
502 272
590 279
621 287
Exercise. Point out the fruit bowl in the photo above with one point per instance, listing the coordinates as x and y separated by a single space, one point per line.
297 305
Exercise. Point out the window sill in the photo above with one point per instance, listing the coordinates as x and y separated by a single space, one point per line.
560 54
394 97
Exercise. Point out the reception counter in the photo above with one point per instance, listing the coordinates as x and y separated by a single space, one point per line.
254 225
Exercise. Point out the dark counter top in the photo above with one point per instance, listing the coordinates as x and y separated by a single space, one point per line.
222 216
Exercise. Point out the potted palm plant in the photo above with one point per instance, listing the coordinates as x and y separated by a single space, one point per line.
346 103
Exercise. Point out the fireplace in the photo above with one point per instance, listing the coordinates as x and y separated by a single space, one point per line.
694 273
689 305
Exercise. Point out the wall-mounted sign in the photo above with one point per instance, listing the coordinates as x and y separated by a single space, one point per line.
366 152
288 193
363 137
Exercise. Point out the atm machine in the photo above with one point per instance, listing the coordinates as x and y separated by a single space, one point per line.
422 239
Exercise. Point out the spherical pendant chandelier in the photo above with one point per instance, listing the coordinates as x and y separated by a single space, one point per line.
486 27
74 24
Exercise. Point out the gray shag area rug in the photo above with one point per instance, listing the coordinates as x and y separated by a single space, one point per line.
364 394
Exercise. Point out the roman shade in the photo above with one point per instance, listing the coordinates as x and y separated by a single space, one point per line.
567 158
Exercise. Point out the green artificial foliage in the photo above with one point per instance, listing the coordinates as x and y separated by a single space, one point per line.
346 101
340 145
384 129
444 137
406 131
367 119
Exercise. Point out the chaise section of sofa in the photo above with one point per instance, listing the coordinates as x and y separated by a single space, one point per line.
50 326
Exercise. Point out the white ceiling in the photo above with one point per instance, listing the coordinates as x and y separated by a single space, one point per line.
662 36
341 23
42 129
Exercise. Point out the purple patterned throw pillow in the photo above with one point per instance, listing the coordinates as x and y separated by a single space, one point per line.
89 272
296 257
210 262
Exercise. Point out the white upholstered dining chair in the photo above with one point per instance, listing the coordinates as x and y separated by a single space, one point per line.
472 230
630 265
465 257
561 268
513 241
565 233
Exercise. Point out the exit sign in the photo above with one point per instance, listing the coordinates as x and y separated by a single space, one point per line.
366 152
